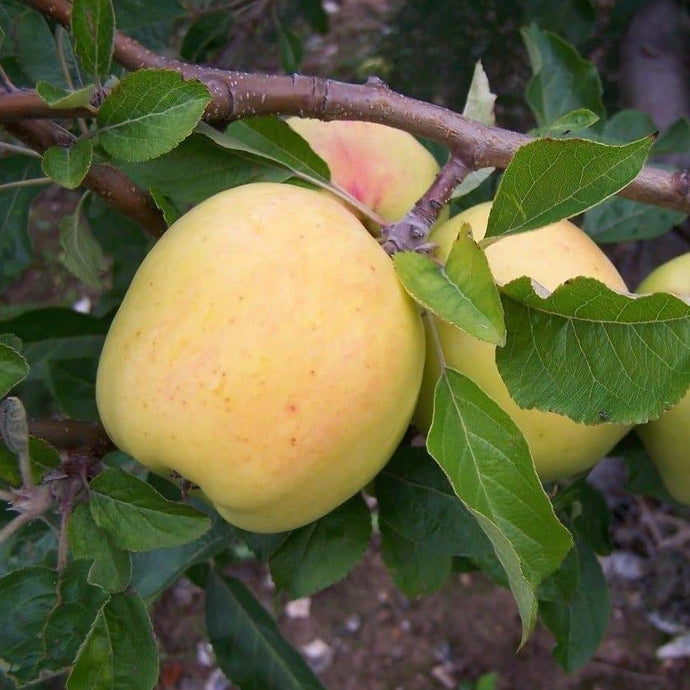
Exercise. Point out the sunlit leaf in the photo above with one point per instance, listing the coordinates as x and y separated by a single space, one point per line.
149 112
593 354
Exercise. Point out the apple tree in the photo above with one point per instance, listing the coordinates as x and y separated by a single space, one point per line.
93 103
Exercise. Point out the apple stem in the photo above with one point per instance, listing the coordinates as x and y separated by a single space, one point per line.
410 233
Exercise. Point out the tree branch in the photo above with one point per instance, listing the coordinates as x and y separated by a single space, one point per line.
113 186
239 94
68 434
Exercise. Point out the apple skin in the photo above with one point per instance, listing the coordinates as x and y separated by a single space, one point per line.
667 439
266 352
560 447
385 168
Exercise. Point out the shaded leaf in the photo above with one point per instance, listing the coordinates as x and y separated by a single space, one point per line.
207 34
463 292
26 598
58 98
137 518
291 49
15 243
119 652
248 645
271 138
83 254
154 571
488 463
42 455
68 166
148 113
13 369
624 220
314 556
593 354
70 620
93 31
562 81
551 179
111 567
417 501
73 383
579 623
415 569
198 168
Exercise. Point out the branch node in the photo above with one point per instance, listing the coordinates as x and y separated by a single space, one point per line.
681 182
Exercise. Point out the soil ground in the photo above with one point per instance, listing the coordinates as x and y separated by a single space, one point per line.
362 634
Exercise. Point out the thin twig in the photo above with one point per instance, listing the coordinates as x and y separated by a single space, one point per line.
33 182
22 150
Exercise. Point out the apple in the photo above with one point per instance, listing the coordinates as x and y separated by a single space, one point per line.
266 352
385 168
560 447
667 439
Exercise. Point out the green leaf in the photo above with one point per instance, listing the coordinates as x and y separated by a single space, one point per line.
53 322
83 254
207 34
417 503
111 567
58 98
93 31
198 168
562 80
463 292
551 179
170 211
248 645
42 455
675 138
488 463
291 49
137 518
271 138
68 166
624 220
314 556
151 23
154 571
627 125
571 122
69 622
593 354
26 598
479 106
415 569
584 508
36 49
315 15
644 477
579 623
148 113
73 383
119 652
15 243
13 369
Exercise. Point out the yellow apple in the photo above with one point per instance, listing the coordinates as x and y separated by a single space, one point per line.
386 169
266 352
667 439
560 447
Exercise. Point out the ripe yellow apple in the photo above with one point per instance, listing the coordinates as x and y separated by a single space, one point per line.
560 447
667 439
267 352
385 168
